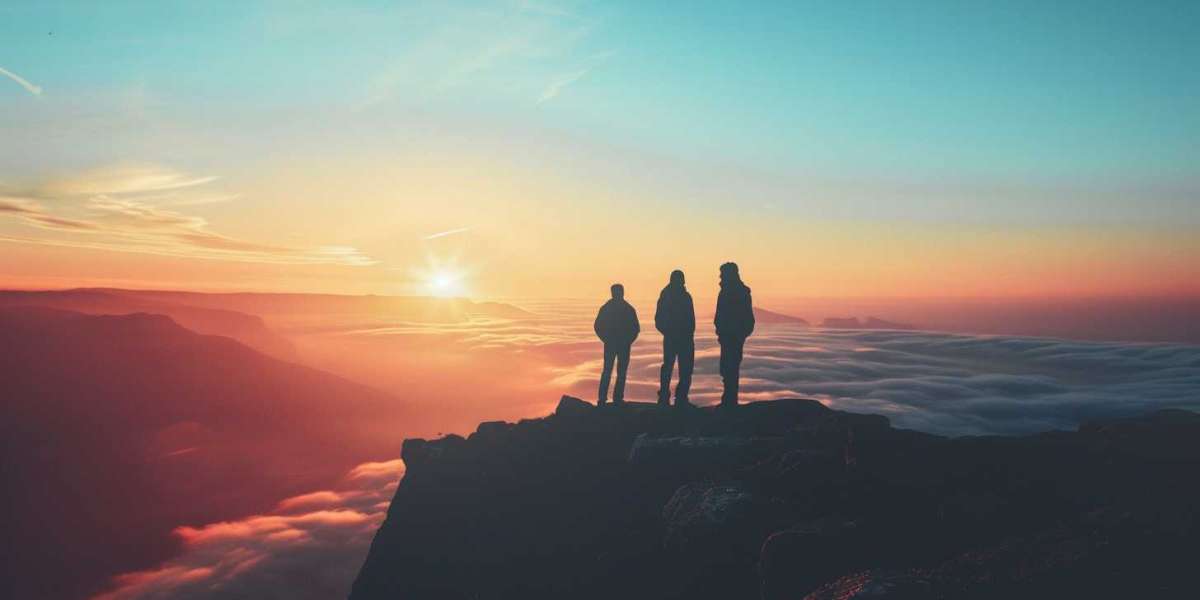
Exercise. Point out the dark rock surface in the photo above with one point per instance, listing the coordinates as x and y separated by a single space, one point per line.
788 499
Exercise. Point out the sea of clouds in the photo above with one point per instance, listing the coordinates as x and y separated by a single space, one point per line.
944 383
309 547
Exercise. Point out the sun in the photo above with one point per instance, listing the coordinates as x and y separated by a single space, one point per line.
440 276
445 283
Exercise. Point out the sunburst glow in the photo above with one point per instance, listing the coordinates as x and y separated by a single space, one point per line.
445 283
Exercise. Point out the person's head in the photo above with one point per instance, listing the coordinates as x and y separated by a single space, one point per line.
676 277
729 272
618 291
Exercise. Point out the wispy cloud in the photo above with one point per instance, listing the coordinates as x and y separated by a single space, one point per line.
505 48
125 209
34 214
25 83
558 85
123 179
446 233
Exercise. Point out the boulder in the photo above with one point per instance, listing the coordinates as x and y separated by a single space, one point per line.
491 429
417 452
570 406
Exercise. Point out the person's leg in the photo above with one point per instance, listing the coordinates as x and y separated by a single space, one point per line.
622 368
726 355
686 350
734 370
605 374
664 375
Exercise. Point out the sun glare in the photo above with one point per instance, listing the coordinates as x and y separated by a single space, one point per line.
445 283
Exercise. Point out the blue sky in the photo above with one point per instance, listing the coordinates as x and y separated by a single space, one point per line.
1015 89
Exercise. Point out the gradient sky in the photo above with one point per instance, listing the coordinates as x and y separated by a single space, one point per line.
880 148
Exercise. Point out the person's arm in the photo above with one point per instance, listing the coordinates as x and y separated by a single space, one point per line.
749 314
690 317
660 314
720 309
598 326
637 327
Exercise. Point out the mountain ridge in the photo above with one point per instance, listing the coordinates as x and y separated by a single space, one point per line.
147 425
249 329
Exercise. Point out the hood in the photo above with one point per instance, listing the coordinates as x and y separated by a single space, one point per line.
674 288
734 284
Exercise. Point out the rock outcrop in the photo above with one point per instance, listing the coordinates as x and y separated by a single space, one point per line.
788 499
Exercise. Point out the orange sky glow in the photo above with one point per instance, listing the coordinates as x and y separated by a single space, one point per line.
466 232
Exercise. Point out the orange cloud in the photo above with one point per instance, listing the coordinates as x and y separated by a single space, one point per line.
320 538
122 209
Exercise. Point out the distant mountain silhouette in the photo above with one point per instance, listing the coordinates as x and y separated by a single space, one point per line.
868 323
409 308
764 316
498 310
788 499
116 429
246 328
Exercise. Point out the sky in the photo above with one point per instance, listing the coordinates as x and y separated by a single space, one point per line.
500 149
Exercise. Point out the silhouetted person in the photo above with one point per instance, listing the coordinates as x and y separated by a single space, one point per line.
617 326
735 323
675 318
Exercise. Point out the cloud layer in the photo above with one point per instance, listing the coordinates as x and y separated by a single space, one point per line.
943 383
310 546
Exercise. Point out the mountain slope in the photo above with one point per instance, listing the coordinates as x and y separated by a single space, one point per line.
764 316
213 320
116 429
415 308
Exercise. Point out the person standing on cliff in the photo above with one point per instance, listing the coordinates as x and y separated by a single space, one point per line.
675 319
617 326
734 322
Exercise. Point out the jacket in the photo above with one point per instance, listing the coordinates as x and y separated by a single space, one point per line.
735 311
675 315
617 323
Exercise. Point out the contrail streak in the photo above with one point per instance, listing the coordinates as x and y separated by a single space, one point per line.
446 233
33 89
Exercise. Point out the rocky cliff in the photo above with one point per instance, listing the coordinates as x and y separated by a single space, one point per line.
788 499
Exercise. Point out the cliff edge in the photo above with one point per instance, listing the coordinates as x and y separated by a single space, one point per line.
788 499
